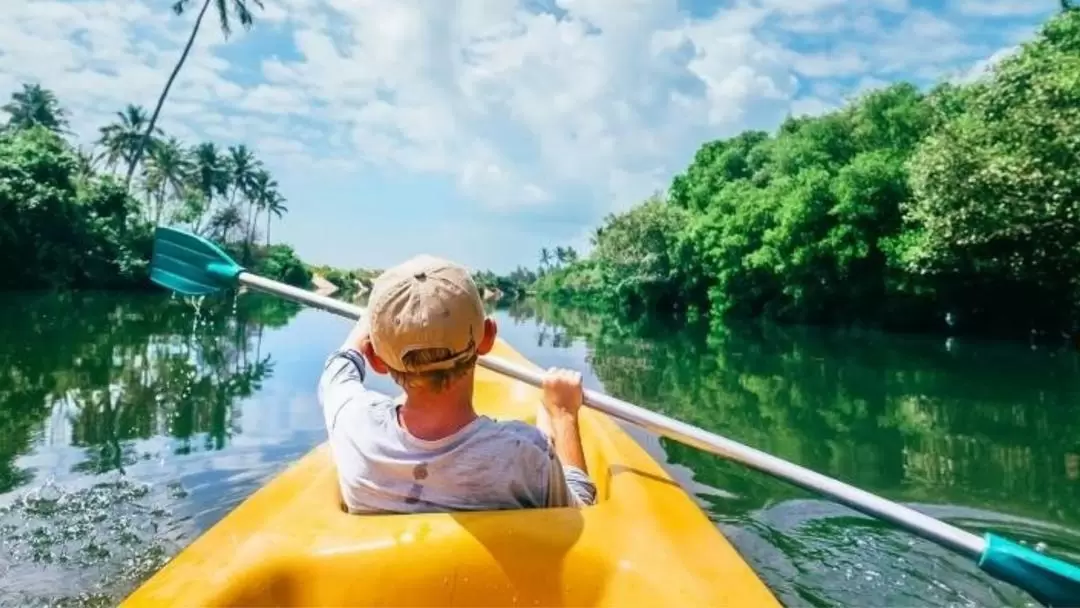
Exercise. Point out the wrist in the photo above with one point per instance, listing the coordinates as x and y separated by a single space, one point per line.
564 418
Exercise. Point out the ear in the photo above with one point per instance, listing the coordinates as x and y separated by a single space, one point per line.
488 341
373 360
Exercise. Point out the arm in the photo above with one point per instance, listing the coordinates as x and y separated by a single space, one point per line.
565 435
558 419
342 380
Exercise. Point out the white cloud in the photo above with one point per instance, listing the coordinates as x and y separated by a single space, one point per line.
514 106
843 63
983 66
1005 8
811 106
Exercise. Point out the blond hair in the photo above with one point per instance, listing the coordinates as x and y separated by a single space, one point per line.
434 381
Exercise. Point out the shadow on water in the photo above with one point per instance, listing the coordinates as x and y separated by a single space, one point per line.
983 435
99 393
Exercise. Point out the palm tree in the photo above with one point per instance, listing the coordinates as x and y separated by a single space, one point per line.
167 169
244 171
210 178
120 139
240 8
85 160
262 189
225 221
560 254
275 205
34 105
570 255
545 257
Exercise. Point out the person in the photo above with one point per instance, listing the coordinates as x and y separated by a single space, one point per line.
430 450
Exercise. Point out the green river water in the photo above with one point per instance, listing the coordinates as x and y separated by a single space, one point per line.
129 424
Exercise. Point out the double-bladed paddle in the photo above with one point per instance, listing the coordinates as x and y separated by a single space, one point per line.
191 265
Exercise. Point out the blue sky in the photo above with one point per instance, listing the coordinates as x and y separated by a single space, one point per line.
483 130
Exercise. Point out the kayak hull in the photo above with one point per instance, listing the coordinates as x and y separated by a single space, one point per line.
645 542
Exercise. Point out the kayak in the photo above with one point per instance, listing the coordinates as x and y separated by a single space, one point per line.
645 542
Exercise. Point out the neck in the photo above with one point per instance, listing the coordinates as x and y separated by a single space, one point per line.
432 416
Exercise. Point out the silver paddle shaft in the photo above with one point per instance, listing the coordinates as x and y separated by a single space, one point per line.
960 541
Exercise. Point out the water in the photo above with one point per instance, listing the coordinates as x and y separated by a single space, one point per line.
130 424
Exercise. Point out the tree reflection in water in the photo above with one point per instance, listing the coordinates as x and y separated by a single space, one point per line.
110 369
984 434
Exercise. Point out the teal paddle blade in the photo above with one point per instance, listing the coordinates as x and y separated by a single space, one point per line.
1049 580
189 264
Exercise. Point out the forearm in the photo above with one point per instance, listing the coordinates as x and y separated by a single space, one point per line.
566 436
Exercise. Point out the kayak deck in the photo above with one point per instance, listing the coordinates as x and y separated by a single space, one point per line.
291 543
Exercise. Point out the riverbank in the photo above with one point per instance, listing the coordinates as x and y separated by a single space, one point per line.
950 211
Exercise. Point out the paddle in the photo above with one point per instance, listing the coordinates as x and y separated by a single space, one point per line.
192 265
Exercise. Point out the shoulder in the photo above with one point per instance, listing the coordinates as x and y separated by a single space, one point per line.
520 433
518 440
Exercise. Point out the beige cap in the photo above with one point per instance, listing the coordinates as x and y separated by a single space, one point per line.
425 302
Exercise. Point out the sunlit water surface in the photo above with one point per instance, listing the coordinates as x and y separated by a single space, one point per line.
130 424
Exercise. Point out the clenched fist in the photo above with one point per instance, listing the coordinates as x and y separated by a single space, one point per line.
562 392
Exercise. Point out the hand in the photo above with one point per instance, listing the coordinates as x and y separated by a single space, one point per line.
359 337
562 393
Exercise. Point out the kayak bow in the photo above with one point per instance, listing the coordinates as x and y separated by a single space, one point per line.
645 542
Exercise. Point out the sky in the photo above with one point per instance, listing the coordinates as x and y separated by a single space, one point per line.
483 130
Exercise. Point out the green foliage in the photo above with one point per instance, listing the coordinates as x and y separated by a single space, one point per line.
505 289
635 262
996 191
59 228
896 210
281 263
35 106
69 225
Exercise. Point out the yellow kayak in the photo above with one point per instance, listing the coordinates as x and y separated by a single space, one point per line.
645 542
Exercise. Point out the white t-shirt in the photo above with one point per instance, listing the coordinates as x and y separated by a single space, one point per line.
487 465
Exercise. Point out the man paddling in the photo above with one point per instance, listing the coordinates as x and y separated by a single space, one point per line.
432 452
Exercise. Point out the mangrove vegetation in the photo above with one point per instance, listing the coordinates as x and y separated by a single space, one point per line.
956 207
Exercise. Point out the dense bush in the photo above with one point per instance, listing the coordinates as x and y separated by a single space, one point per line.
62 228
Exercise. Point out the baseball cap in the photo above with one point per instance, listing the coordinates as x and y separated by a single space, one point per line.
425 302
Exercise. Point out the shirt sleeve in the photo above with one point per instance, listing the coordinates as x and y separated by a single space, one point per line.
569 486
342 384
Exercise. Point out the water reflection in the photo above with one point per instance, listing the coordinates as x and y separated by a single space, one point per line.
985 435
114 369
96 383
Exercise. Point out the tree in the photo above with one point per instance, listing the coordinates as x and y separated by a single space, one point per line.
222 8
245 171
168 170
560 254
994 214
65 229
260 190
87 163
120 140
225 220
275 205
210 178
69 226
35 106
